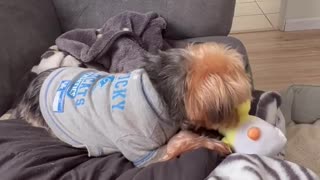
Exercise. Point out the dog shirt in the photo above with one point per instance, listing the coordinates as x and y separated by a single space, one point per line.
107 113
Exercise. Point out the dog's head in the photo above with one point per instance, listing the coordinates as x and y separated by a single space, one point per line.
201 85
216 83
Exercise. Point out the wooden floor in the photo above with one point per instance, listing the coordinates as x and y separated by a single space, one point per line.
279 59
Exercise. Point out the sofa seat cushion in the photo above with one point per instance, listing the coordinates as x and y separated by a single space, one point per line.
301 104
303 145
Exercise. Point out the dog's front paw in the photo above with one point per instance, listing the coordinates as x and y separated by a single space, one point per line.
186 141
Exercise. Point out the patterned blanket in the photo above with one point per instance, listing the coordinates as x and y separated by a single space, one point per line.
254 167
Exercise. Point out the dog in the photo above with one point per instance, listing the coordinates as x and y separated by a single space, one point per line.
200 87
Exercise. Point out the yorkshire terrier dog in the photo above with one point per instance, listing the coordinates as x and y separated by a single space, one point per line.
200 87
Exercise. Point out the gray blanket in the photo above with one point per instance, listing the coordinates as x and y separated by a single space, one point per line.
122 43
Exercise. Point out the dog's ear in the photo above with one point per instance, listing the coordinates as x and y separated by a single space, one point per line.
167 72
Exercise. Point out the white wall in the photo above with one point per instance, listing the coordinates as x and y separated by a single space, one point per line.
298 9
300 15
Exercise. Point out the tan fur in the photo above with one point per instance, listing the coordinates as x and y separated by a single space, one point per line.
216 85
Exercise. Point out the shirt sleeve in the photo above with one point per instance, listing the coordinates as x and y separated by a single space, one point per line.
140 150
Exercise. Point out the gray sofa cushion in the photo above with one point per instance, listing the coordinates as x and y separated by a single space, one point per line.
186 18
303 145
27 29
301 108
230 41
301 104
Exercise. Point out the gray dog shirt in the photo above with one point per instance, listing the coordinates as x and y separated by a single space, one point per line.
107 113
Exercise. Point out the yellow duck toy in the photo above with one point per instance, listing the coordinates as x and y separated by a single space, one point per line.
253 135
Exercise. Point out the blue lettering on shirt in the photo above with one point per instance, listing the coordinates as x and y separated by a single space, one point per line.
119 93
105 80
84 88
120 84
80 89
119 106
80 102
58 101
75 87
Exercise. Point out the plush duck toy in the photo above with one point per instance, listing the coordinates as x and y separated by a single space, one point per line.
253 135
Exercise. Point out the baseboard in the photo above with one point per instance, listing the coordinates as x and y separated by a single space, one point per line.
302 24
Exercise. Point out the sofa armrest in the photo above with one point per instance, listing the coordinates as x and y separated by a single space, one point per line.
301 104
28 28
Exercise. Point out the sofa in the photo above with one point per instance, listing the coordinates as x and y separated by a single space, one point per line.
28 28
300 107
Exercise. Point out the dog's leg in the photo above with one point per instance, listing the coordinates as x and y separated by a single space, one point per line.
186 141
